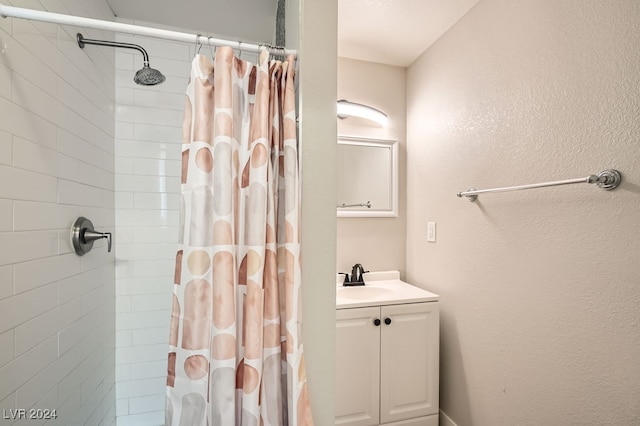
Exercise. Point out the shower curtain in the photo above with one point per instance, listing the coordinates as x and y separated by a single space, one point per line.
236 354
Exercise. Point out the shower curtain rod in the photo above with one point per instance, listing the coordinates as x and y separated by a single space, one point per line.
78 21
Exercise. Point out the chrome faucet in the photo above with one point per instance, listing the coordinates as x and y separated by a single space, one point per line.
356 278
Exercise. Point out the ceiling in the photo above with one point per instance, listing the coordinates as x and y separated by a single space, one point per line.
393 32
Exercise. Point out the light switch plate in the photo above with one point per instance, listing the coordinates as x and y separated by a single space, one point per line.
431 232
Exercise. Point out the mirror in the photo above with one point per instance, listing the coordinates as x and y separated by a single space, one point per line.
367 177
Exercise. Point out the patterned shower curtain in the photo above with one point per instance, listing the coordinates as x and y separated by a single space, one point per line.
236 355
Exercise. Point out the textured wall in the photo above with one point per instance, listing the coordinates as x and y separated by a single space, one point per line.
56 163
539 288
377 243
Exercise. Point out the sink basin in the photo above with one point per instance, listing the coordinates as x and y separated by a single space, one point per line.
363 292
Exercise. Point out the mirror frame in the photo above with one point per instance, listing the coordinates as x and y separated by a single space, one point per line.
393 196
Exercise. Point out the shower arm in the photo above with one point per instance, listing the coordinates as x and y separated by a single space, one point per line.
82 41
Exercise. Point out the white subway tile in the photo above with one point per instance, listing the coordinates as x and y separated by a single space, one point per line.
82 283
99 137
34 99
123 304
123 200
9 403
5 81
124 60
101 96
33 216
141 387
123 337
65 246
6 148
156 235
158 133
157 167
6 215
125 96
124 166
156 201
122 405
46 380
150 369
133 114
20 308
35 273
30 156
146 419
75 147
155 335
84 195
139 320
86 109
153 268
157 99
145 404
27 185
6 347
154 285
150 218
70 337
23 61
21 122
20 370
6 281
67 167
123 372
124 235
94 176
156 251
30 333
139 183
144 353
124 130
22 246
142 149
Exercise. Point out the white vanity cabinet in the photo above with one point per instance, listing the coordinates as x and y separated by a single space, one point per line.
387 364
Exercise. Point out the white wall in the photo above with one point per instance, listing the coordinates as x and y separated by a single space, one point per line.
378 243
539 289
56 163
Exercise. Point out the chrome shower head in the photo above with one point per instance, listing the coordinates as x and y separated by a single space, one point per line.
147 76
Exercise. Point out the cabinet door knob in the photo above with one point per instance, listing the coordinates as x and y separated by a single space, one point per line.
387 321
376 322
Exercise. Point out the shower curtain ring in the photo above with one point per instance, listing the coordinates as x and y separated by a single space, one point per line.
198 44
211 50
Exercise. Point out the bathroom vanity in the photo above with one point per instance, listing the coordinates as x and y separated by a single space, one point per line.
387 347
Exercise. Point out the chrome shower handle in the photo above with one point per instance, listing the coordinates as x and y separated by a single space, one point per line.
83 235
89 235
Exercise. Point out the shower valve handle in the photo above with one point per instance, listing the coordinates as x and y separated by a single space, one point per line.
83 235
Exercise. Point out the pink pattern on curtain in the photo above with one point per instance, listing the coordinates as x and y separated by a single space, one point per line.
236 354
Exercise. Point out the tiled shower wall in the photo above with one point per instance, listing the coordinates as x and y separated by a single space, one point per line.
56 163
148 165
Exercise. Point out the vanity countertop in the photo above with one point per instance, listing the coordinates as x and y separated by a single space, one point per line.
381 288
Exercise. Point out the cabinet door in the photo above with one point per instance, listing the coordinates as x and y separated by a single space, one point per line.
357 366
409 361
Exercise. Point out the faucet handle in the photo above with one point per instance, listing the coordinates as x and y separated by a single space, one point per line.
346 277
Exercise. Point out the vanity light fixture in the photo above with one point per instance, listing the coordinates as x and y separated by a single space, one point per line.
352 109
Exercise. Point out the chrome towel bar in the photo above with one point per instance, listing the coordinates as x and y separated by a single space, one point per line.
607 180
344 206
